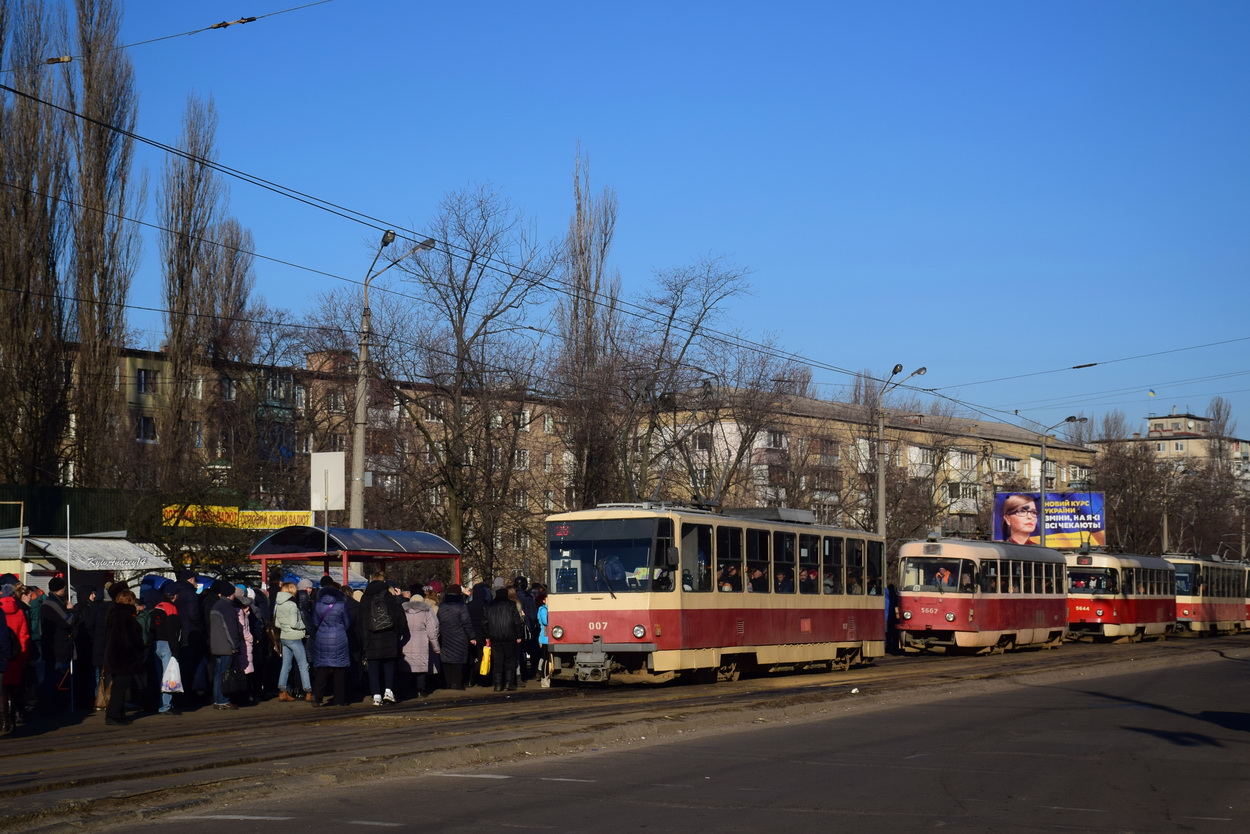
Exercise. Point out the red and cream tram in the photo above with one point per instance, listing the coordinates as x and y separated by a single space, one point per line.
1120 597
980 596
1210 596
657 590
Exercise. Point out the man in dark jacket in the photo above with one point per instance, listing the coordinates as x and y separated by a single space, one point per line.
192 644
56 622
529 653
504 629
382 627
224 639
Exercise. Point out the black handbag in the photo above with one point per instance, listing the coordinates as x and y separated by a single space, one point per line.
233 682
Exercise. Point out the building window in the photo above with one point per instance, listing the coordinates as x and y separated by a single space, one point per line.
197 434
1158 447
496 419
549 462
145 429
337 402
338 442
774 439
147 380
521 541
703 441
521 460
549 424
519 499
524 417
926 455
549 499
434 410
1180 445
229 389
965 460
1007 465
301 397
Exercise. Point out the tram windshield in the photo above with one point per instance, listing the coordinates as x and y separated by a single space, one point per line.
609 556
1093 581
949 576
1186 581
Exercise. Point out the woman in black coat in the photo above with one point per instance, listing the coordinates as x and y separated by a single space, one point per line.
381 645
123 653
455 635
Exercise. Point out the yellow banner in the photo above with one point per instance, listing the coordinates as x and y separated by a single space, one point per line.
201 515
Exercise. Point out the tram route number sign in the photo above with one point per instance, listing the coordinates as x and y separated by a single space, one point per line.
1072 518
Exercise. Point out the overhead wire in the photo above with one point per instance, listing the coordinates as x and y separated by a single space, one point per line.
65 59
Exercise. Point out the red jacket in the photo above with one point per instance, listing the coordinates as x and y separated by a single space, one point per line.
15 618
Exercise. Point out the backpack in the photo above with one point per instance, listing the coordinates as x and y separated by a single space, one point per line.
380 618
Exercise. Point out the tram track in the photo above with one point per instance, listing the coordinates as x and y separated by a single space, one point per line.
89 772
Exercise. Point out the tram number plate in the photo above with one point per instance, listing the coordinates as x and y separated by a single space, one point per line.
924 610
600 626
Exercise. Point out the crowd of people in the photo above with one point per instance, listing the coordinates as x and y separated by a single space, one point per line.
171 645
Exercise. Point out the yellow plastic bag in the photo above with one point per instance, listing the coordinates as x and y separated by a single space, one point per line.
484 668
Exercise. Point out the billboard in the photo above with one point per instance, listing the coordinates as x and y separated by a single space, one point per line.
204 515
1072 518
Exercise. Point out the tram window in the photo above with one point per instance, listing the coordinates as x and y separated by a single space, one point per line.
1012 582
875 567
696 557
1184 579
833 569
729 559
939 575
758 572
989 576
854 566
783 563
664 568
809 564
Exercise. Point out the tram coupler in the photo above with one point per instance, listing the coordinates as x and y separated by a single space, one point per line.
593 666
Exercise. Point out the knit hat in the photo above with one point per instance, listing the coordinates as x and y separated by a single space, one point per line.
56 583
304 584
7 589
498 583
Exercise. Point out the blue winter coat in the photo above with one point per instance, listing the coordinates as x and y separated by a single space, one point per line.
332 623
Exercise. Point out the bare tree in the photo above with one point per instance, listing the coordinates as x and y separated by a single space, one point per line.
589 365
457 364
100 88
34 226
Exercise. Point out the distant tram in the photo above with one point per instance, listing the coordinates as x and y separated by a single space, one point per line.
1120 597
657 591
976 596
1211 597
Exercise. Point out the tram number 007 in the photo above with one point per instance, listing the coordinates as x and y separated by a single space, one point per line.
597 626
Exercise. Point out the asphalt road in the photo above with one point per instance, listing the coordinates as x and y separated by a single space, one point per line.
1164 749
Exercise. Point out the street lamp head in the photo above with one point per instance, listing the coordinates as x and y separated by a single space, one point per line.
388 237
921 371
898 369
1075 419
426 244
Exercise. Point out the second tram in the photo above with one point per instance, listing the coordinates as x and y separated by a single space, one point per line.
659 590
1211 596
1120 597
980 596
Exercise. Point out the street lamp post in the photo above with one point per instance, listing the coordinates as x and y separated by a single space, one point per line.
881 453
1041 478
357 509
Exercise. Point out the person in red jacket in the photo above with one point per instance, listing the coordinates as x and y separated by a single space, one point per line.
14 620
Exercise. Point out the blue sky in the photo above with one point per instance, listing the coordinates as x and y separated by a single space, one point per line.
989 189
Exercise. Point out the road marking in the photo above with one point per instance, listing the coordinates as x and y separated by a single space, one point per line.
371 822
473 775
558 779
232 817
1208 819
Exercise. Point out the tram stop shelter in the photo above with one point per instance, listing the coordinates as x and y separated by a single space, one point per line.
341 545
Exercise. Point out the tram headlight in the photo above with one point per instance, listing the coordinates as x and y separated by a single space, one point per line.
640 631
1098 612
906 615
1185 612
950 616
557 632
